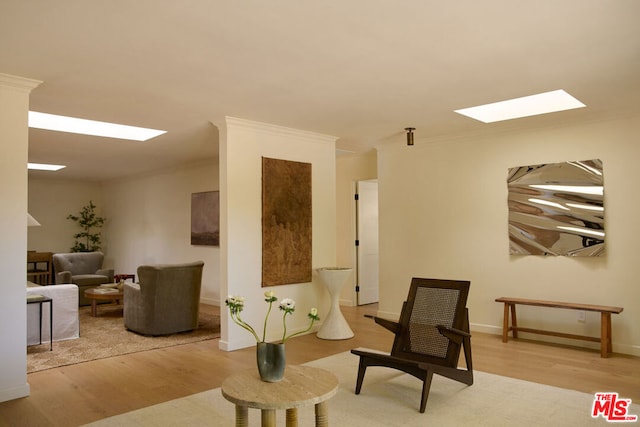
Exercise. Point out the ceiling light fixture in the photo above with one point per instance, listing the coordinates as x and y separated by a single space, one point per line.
409 135
44 167
90 127
542 103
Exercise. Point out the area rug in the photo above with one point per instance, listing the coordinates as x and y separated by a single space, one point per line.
105 336
389 398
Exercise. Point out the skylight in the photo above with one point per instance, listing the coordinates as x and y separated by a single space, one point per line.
548 102
90 127
44 167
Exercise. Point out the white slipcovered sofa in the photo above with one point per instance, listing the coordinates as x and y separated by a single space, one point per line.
66 324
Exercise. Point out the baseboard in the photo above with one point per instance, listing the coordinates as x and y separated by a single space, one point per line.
346 302
210 301
632 350
223 345
14 392
244 342
486 329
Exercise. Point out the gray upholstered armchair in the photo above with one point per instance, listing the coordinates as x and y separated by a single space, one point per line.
165 300
83 269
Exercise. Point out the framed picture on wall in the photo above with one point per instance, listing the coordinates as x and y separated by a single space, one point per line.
286 222
205 218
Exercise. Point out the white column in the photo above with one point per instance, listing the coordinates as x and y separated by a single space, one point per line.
14 137
243 143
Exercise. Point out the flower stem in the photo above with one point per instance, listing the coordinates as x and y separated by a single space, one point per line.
284 323
237 320
299 332
264 330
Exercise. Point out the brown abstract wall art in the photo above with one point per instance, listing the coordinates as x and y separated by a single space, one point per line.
286 222
205 218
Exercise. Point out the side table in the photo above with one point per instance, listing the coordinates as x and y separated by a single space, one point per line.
96 295
40 299
334 326
118 277
301 386
39 275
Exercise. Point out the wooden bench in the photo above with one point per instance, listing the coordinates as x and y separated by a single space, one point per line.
605 320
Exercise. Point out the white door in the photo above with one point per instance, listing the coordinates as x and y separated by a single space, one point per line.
367 241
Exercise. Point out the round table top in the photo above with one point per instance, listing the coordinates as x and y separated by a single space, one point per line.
301 386
92 293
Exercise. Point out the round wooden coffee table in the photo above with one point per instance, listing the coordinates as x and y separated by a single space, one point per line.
97 295
301 386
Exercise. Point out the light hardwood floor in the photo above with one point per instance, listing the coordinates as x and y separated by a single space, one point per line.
82 393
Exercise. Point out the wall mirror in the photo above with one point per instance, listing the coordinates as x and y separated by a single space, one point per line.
557 209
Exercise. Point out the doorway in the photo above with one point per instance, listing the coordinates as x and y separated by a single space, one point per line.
366 247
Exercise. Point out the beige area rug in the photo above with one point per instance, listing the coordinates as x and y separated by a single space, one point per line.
389 398
105 336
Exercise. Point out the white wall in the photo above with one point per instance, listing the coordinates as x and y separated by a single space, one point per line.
14 104
149 222
443 214
148 219
350 169
50 201
242 145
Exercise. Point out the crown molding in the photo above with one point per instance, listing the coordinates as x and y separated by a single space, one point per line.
234 122
21 83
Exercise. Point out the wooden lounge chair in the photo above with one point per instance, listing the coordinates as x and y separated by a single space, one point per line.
433 327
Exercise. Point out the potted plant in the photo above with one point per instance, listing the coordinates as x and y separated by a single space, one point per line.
270 356
89 239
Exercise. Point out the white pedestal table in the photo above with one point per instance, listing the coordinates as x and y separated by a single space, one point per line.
334 327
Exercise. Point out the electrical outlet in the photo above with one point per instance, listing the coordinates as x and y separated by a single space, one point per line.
582 316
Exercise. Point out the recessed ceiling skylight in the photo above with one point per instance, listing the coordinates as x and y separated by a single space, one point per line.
548 102
44 167
90 127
